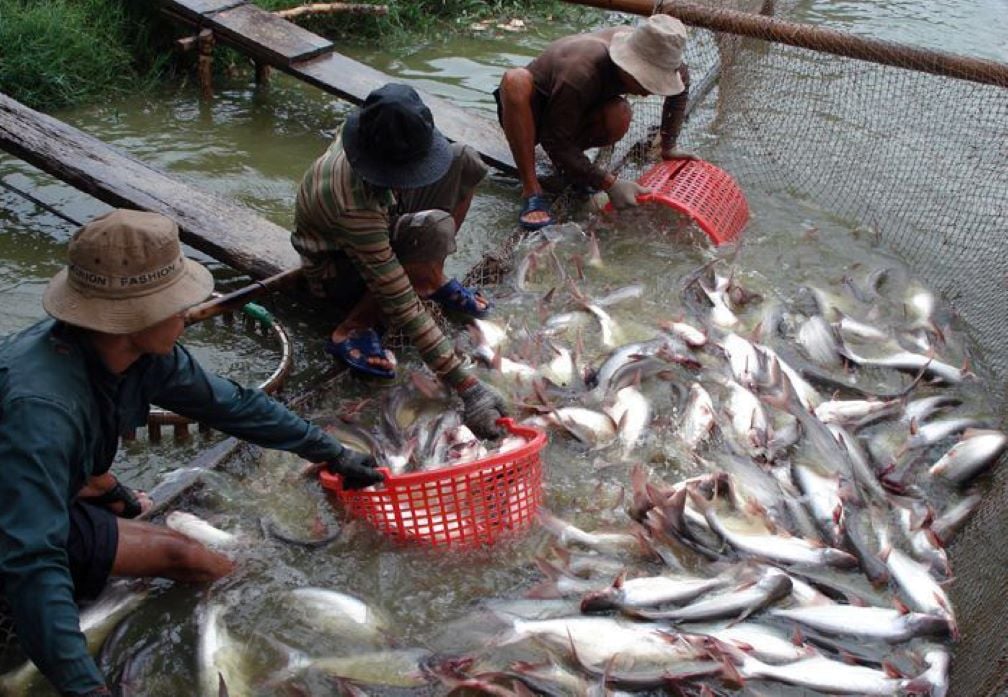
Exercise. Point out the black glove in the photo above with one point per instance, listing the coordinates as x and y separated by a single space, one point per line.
357 469
482 406
118 494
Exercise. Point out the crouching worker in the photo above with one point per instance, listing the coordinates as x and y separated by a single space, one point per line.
570 99
375 217
70 386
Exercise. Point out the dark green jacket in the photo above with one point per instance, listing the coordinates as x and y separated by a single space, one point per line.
61 415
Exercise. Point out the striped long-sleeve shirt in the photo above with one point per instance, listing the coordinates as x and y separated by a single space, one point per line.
337 211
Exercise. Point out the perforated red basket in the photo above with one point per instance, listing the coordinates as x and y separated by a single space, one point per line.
470 504
702 191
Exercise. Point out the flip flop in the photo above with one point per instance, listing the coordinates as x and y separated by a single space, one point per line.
357 348
533 203
456 297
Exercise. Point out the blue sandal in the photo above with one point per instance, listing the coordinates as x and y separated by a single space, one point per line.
532 204
357 348
456 297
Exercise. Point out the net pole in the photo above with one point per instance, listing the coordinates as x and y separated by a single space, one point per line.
759 26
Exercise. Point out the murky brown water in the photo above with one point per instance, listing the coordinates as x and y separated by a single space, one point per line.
252 145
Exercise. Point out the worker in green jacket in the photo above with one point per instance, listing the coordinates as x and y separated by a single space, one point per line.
70 387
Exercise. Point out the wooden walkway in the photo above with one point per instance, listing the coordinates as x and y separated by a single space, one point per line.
226 231
273 41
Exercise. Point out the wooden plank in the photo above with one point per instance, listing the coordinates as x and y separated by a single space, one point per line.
224 230
195 8
352 81
264 34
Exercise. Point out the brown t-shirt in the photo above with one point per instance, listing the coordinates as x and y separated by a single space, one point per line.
573 76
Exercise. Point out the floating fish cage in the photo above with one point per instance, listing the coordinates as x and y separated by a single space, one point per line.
463 505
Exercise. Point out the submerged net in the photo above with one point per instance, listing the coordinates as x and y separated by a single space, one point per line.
920 162
912 151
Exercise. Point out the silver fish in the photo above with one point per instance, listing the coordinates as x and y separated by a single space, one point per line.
649 591
849 326
848 411
972 455
931 433
393 668
632 413
621 295
698 419
743 358
822 496
952 520
738 604
598 641
753 539
594 428
866 622
220 656
826 675
818 339
748 420
920 409
195 528
917 584
606 543
337 612
763 642
908 362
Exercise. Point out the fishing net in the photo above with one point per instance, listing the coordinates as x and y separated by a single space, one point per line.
909 148
920 162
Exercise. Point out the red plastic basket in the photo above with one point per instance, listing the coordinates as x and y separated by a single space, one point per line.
702 191
470 504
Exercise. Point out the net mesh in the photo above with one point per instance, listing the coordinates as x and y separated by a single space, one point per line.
917 159
920 161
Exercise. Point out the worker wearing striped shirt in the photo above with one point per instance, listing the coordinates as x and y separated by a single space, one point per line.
375 217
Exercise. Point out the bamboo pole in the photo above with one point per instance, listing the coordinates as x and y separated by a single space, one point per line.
205 66
325 8
238 298
817 38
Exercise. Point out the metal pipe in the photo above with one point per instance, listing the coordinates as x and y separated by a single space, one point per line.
817 38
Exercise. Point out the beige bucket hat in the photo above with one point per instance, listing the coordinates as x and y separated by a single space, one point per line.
652 53
126 273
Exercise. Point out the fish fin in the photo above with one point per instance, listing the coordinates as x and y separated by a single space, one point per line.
902 607
578 262
892 671
933 538
620 578
848 657
222 690
797 638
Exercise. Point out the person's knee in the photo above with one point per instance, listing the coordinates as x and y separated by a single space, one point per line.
619 114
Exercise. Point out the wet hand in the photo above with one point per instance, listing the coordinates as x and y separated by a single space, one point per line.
482 406
357 469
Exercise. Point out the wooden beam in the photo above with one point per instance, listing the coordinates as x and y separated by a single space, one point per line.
226 231
330 8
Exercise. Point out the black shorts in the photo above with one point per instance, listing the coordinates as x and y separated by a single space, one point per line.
91 548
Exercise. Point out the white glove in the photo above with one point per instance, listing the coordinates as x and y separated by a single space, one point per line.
623 193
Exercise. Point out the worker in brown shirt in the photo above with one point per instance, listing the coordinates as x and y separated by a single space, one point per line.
570 99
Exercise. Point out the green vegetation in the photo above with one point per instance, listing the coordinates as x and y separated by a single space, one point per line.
408 20
54 53
57 53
